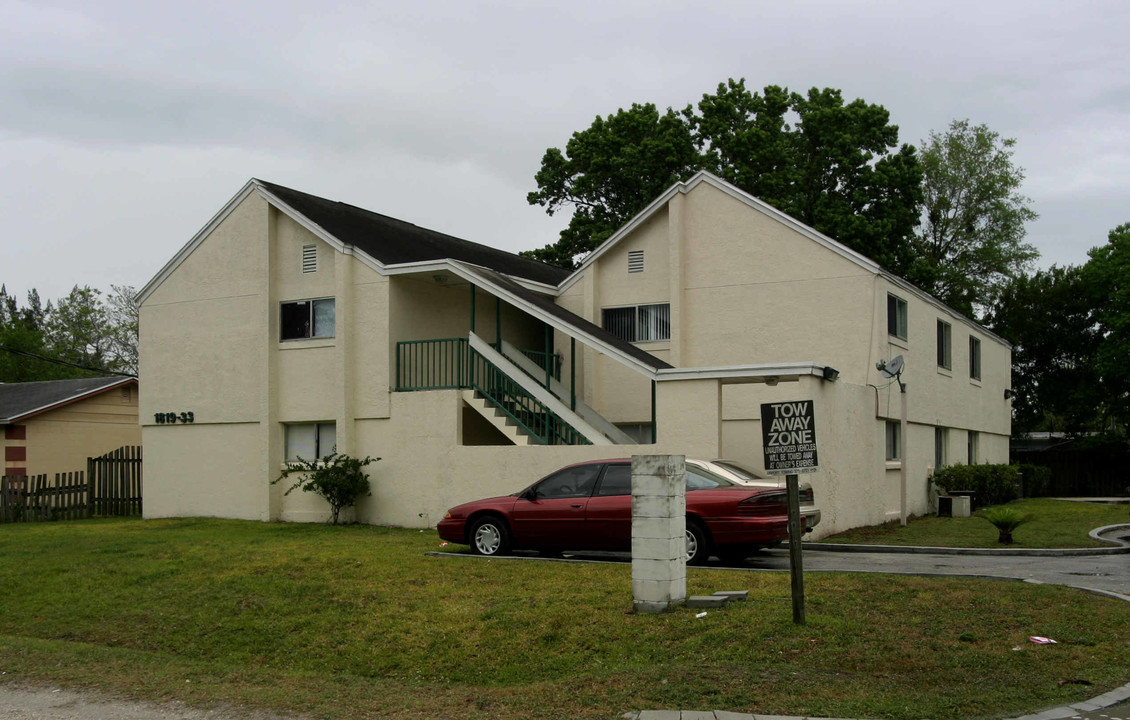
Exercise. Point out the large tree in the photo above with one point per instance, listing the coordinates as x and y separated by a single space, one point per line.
1108 276
608 173
836 166
81 335
972 238
1049 317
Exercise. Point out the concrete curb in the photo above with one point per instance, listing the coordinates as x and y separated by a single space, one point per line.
1122 549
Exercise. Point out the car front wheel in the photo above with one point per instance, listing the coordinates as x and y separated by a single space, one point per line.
490 536
698 544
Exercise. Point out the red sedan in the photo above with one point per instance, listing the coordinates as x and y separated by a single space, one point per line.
588 506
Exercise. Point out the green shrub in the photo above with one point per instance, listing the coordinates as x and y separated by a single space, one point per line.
1035 480
1005 520
338 478
990 484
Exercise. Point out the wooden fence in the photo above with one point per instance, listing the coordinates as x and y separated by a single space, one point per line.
111 485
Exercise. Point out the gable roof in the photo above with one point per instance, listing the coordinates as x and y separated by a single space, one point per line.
384 242
704 177
20 401
396 242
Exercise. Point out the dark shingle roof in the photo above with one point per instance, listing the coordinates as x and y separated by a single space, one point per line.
550 308
20 400
393 242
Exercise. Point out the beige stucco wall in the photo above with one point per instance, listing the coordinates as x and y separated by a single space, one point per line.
752 290
60 440
744 289
212 470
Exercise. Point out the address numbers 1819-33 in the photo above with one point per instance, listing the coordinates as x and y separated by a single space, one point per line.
171 418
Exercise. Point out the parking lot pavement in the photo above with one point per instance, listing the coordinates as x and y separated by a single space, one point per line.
1109 573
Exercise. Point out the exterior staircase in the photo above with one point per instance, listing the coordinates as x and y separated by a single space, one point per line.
496 417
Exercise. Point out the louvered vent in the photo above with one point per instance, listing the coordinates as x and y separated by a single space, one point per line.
635 261
309 258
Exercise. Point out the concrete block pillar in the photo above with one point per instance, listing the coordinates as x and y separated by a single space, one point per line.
659 543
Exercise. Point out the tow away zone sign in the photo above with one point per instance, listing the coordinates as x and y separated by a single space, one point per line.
788 433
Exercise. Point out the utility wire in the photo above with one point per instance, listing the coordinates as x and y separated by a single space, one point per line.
57 361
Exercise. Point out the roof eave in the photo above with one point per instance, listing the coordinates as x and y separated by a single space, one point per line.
67 401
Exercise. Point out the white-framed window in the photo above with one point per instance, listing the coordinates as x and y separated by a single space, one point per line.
307 319
896 317
945 345
941 441
894 440
974 358
974 447
310 441
309 258
639 323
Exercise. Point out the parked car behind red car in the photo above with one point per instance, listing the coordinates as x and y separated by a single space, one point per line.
588 506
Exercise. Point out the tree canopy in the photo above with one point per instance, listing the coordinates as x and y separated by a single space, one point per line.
971 240
608 173
81 335
1070 329
836 166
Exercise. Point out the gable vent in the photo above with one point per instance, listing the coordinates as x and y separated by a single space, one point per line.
309 258
635 261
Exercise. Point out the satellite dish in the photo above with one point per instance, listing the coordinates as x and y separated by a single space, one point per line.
891 369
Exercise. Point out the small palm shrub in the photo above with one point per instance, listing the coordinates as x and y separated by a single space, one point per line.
1005 520
338 478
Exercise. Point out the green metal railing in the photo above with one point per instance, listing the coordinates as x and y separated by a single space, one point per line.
433 364
539 358
451 363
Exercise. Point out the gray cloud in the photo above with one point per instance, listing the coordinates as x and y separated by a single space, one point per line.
125 125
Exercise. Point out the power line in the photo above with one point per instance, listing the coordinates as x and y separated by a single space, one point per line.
64 362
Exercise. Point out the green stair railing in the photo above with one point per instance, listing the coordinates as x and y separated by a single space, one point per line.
450 363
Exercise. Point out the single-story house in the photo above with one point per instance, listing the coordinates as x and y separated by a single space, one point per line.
291 325
53 426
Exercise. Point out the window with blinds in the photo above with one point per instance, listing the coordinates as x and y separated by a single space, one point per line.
639 323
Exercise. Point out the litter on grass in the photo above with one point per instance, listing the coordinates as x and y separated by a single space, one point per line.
701 615
1042 640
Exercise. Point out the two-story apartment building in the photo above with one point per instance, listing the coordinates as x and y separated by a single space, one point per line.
291 325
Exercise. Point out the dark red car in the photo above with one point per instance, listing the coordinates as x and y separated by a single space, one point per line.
588 506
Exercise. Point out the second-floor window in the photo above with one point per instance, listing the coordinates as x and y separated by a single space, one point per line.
307 319
896 317
639 323
974 358
945 352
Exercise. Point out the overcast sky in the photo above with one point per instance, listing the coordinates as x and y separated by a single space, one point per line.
124 126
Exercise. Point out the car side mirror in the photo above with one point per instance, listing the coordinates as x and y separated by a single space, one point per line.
531 495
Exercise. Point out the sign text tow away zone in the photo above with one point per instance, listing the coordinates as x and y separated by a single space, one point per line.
788 433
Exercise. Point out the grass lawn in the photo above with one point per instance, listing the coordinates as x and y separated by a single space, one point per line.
358 622
1056 524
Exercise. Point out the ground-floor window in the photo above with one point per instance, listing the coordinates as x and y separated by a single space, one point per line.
974 442
894 440
941 440
310 441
